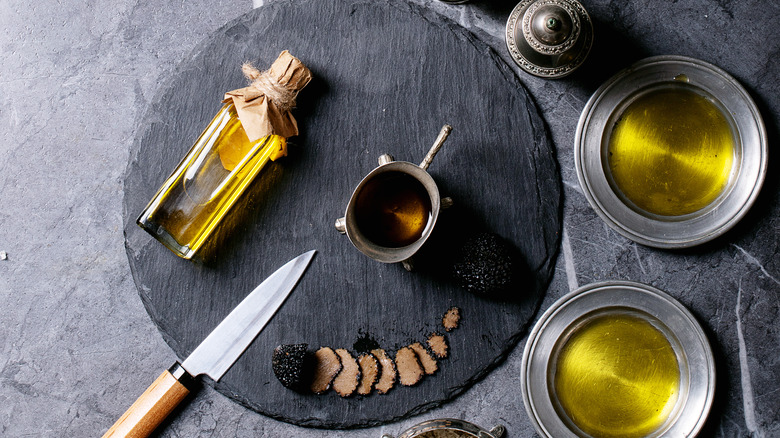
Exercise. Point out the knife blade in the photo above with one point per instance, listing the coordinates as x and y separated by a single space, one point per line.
215 355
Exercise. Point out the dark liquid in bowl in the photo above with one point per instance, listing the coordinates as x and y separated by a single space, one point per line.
393 209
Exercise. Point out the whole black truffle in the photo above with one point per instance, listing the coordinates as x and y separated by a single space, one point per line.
293 365
486 265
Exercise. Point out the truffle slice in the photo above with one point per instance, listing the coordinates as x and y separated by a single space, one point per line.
327 367
451 319
410 372
348 378
426 360
438 345
388 373
292 365
369 369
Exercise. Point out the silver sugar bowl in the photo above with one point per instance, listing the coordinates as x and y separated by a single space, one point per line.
549 38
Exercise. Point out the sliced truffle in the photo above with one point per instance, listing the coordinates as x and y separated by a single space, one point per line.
346 382
487 265
410 372
427 361
369 370
293 365
438 345
328 365
451 319
388 370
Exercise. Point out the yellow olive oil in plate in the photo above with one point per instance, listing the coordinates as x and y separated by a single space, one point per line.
671 151
393 209
617 376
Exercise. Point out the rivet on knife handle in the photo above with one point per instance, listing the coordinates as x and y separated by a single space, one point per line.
154 405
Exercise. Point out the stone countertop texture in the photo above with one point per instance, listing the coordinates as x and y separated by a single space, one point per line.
77 344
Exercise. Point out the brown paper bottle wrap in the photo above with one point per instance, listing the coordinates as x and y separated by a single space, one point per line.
264 106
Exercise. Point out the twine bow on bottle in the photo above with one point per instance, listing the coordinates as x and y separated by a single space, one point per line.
267 86
264 106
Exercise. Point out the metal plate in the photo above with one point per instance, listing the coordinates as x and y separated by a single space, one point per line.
600 116
697 365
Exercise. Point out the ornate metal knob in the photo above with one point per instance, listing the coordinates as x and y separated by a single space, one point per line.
551 25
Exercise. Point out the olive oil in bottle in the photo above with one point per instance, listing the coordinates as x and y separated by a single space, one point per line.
671 152
617 376
251 128
393 209
193 200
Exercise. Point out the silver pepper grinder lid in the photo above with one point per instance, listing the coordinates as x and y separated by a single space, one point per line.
549 38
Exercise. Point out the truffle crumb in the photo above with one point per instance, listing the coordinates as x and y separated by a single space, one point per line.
451 319
328 365
389 372
369 369
438 345
365 343
487 266
426 360
346 382
410 372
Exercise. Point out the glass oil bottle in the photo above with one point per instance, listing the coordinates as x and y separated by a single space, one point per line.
225 159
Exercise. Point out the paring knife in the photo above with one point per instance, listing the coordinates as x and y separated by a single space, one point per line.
215 355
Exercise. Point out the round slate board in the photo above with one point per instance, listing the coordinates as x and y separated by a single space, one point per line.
387 75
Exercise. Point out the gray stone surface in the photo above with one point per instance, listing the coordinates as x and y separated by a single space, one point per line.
77 346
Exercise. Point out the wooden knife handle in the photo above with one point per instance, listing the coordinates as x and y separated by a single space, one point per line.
154 405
